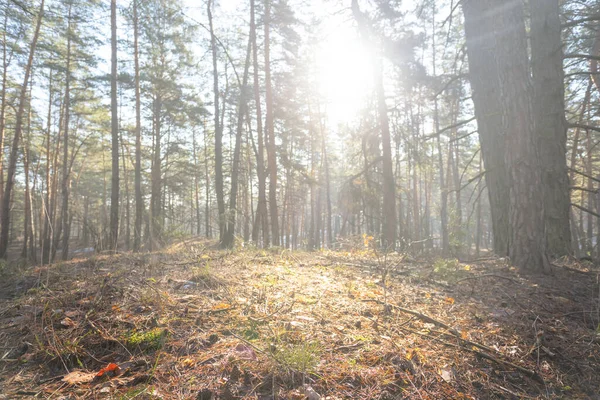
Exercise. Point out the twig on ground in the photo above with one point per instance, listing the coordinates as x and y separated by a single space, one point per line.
488 276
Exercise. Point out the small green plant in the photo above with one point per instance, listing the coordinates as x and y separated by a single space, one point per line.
150 340
303 357
151 297
202 273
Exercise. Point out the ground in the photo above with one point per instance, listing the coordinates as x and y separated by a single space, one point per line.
195 322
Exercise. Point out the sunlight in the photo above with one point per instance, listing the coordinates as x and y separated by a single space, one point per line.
344 73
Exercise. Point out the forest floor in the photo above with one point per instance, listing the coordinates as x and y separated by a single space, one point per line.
194 322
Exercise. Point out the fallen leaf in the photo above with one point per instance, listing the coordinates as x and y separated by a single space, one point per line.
78 377
72 313
188 362
221 306
109 371
68 323
447 375
450 300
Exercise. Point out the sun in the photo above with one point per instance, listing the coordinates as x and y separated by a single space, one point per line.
345 73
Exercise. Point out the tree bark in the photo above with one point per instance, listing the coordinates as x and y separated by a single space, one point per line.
218 129
139 201
526 216
114 127
270 130
261 219
228 237
480 15
64 215
550 123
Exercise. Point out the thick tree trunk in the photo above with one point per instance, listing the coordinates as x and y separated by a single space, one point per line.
526 216
550 123
480 15
114 128
14 153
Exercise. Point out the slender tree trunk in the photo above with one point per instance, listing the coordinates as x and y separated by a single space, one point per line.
124 153
270 129
196 185
228 238
478 230
3 104
389 184
46 234
14 154
207 201
218 128
573 225
114 128
261 219
64 215
28 214
139 200
156 206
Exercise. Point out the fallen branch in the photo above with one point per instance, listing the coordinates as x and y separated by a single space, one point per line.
526 371
488 276
419 315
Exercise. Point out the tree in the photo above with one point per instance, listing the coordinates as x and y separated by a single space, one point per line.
509 77
139 200
218 128
114 197
389 183
550 123
12 163
270 130
480 15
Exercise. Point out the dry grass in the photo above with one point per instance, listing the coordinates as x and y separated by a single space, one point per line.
196 322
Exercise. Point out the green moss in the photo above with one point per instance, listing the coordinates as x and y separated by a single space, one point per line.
150 340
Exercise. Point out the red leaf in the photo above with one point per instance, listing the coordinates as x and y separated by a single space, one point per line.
109 371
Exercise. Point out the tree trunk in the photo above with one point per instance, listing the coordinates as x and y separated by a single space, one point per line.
218 129
139 201
480 15
64 215
196 185
261 219
14 153
156 176
3 104
550 123
114 128
228 237
270 130
526 216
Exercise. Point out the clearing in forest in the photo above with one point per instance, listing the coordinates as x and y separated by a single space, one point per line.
194 322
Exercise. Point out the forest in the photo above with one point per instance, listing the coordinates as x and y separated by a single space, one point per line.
285 199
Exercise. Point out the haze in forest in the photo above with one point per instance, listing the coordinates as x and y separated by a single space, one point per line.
433 127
